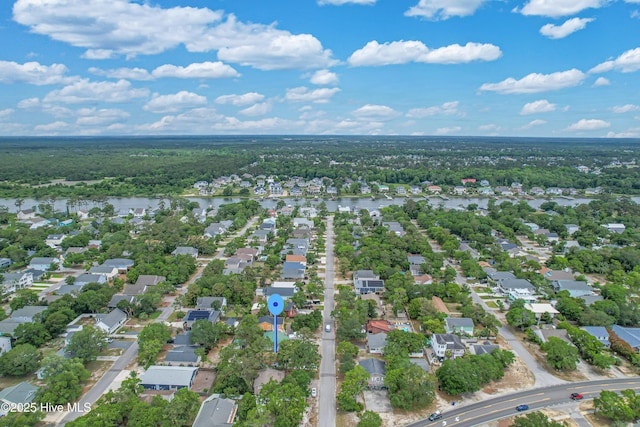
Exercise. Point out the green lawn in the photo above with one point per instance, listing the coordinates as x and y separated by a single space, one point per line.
491 304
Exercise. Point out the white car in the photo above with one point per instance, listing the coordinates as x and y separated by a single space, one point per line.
314 392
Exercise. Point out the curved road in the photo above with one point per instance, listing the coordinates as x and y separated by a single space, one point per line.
327 388
537 398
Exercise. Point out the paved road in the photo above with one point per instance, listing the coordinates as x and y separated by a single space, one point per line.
480 413
327 388
129 354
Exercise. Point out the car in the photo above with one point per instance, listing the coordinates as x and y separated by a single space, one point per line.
522 408
435 416
314 392
576 396
327 327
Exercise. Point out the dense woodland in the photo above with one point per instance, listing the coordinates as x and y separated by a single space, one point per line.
161 166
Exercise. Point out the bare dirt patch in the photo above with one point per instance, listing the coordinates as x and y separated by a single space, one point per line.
204 380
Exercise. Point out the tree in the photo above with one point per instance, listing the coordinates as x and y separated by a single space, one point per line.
87 343
614 406
183 408
561 355
298 354
369 419
205 333
64 378
31 333
22 419
22 298
20 360
355 382
536 419
410 387
279 405
520 318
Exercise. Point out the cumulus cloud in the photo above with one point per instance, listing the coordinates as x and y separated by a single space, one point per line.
402 52
601 81
446 108
619 109
448 130
375 112
324 78
267 125
444 9
628 62
240 100
87 91
174 102
534 82
109 28
29 103
568 27
534 123
589 124
123 73
204 70
318 96
535 107
558 8
341 2
33 73
491 127
53 127
256 110
6 112
100 117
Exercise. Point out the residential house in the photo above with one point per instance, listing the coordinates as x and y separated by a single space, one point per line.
615 228
5 262
85 279
379 326
17 396
291 285
536 191
112 321
376 369
25 214
149 280
436 189
600 333
556 275
168 377
308 212
459 325
132 289
401 191
11 282
260 236
216 411
266 375
185 250
37 222
576 288
415 190
215 229
498 276
194 315
365 189
394 227
364 282
296 258
110 272
293 270
590 299
571 228
8 326
138 212
459 190
303 222
266 323
484 348
5 344
629 335
250 253
54 240
441 343
532 225
122 264
518 285
73 290
285 293
539 309
43 263
28 313
423 279
211 303
184 355
376 343
236 265
113 302
383 188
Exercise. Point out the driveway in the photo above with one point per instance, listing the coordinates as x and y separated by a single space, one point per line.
377 401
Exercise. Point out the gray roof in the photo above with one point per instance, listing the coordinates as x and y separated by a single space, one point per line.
182 339
8 326
596 331
283 292
119 262
590 299
459 322
517 284
499 275
41 261
485 348
113 318
169 375
19 393
28 311
421 362
206 302
452 341
102 269
149 279
378 340
117 298
573 285
69 289
181 354
185 250
630 335
374 366
89 278
216 412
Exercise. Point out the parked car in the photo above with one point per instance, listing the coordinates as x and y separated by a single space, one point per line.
522 407
576 396
435 416
314 392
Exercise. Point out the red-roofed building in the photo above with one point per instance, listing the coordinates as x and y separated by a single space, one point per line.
440 305
424 279
468 180
377 326
296 258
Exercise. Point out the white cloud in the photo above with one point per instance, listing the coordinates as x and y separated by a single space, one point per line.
444 9
256 110
123 73
6 112
240 100
324 78
448 130
109 28
535 83
446 108
630 133
100 117
534 123
402 52
376 112
86 91
203 70
601 81
318 96
492 127
197 120
341 2
29 103
628 62
53 127
589 124
33 73
568 27
535 107
268 125
619 109
174 102
558 8
262 46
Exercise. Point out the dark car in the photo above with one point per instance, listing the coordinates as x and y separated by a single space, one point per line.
435 416
576 396
522 407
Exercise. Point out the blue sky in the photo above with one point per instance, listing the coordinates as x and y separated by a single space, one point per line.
557 68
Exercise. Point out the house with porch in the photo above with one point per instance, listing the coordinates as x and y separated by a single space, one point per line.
459 325
168 377
441 343
377 369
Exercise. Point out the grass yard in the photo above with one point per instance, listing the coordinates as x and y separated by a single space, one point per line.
492 304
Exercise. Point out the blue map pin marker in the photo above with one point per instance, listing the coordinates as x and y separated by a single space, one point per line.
275 303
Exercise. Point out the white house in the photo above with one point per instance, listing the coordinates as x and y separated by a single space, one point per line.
14 281
43 264
112 321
